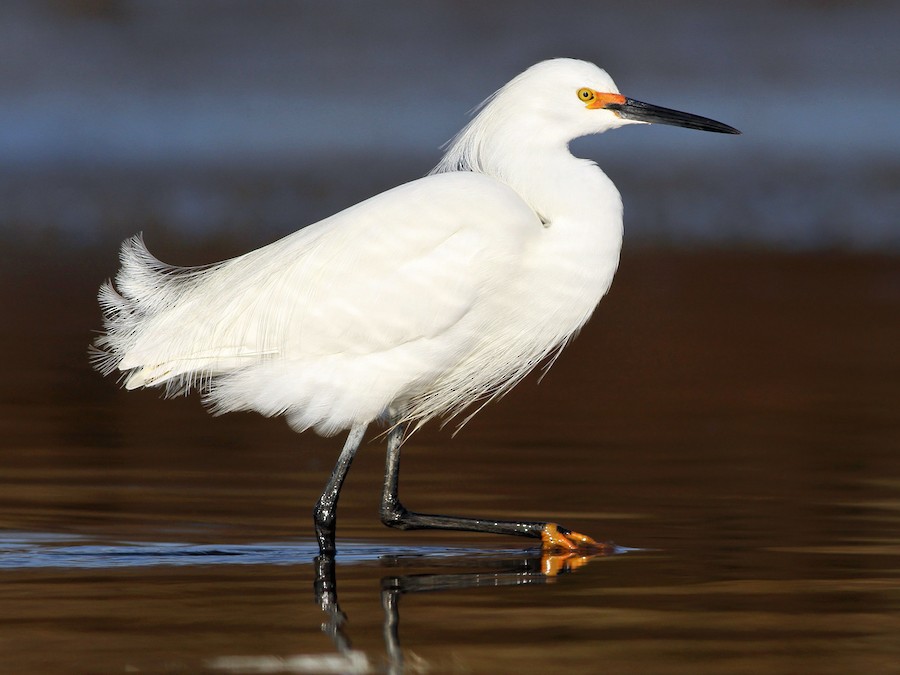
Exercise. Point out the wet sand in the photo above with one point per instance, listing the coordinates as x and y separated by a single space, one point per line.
734 415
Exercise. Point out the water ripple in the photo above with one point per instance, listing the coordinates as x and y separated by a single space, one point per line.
35 550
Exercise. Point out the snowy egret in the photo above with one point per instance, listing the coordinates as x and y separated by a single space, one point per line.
418 302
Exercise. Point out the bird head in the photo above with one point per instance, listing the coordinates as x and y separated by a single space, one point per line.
550 104
578 98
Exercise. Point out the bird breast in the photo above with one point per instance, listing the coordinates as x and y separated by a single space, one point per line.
542 295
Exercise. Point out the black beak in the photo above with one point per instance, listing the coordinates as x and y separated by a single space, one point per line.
654 114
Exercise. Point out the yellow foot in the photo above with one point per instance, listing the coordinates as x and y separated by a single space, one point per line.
566 551
557 538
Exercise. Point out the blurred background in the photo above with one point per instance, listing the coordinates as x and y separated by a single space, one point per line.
733 406
254 118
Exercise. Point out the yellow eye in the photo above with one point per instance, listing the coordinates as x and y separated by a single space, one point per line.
586 95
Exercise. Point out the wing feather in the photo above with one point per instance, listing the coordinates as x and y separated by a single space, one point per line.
404 266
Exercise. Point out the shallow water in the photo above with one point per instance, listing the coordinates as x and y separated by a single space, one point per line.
737 439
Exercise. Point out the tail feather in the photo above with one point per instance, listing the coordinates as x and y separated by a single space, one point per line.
143 287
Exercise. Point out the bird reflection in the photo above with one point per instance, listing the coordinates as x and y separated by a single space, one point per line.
507 569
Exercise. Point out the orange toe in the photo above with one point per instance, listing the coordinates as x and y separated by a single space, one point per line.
583 541
556 538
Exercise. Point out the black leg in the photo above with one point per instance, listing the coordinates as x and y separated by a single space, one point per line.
325 513
394 514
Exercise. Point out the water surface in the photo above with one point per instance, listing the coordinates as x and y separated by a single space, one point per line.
738 439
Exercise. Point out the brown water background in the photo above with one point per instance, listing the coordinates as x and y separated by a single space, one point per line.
733 416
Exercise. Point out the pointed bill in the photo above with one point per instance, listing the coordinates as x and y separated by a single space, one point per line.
639 111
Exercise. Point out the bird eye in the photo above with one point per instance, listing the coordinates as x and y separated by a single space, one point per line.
586 95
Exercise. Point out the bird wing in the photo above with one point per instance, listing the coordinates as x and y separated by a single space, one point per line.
402 266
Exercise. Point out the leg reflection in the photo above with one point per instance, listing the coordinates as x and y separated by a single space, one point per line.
325 588
527 567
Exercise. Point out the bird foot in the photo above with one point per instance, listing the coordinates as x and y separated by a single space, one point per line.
557 538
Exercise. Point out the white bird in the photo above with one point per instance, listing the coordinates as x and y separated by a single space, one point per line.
415 303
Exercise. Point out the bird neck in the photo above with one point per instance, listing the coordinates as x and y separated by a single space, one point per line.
542 170
563 188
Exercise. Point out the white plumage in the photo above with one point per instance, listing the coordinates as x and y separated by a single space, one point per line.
441 292
417 302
